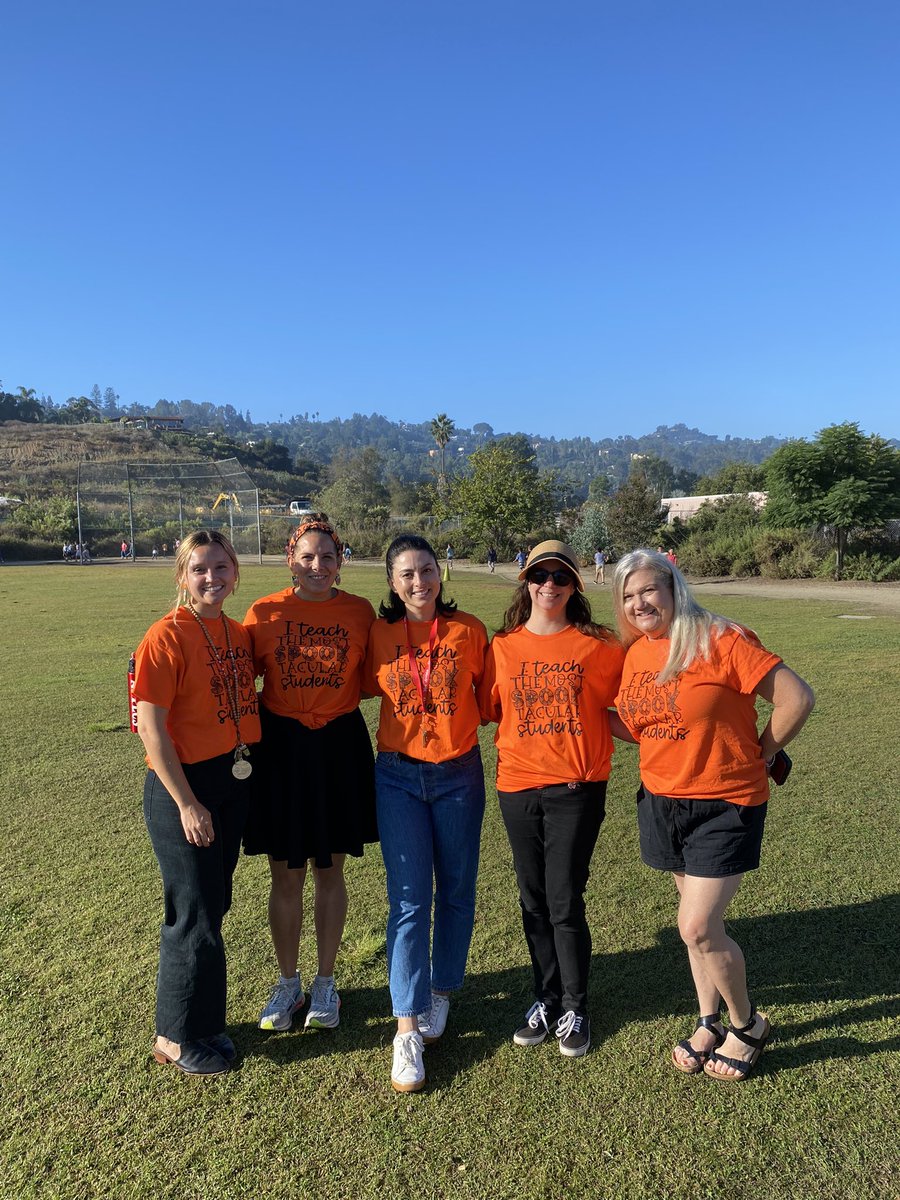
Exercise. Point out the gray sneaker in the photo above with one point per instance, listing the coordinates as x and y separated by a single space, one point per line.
536 1029
574 1032
285 998
324 1004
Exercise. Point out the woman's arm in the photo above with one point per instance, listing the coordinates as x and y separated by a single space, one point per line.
619 729
195 818
792 701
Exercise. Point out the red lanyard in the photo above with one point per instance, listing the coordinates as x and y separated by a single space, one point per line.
423 680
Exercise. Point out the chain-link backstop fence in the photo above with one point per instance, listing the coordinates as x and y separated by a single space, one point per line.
150 505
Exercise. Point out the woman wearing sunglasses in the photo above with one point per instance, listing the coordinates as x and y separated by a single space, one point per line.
550 675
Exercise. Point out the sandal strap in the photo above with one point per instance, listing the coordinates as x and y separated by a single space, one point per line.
756 1042
709 1022
743 1036
738 1064
699 1056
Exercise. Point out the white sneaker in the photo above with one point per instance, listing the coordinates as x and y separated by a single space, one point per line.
408 1070
433 1022
285 998
324 1004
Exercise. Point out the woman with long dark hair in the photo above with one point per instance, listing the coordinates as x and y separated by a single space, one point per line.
197 717
425 659
688 698
551 673
316 792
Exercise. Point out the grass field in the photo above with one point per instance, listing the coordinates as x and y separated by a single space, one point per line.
87 1114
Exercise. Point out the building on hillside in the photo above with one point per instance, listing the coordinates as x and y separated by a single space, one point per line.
682 508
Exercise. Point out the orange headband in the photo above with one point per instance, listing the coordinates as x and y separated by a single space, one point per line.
315 524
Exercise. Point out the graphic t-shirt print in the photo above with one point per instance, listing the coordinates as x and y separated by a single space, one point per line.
546 697
403 687
222 675
312 656
651 709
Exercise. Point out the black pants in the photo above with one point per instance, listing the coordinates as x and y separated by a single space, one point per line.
552 832
190 990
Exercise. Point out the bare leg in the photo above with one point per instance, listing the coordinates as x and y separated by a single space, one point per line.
331 912
717 962
286 914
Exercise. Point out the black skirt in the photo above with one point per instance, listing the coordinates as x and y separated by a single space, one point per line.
315 790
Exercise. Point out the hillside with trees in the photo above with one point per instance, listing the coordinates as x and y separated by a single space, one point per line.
830 502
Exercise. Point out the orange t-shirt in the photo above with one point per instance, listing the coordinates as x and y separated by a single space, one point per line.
549 695
697 732
174 669
457 667
310 653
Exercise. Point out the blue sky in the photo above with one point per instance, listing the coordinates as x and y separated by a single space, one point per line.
566 218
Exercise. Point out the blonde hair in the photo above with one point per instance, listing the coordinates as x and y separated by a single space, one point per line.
193 541
693 627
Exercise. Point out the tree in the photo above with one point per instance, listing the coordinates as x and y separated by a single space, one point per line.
504 497
658 474
591 533
442 430
841 482
634 514
599 488
731 479
356 498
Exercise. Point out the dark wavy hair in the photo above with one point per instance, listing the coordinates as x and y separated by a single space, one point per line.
578 613
393 609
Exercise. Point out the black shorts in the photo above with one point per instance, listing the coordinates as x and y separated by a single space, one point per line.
708 838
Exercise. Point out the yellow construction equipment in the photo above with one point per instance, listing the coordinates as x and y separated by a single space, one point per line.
229 497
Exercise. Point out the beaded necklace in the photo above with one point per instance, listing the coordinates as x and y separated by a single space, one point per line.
231 687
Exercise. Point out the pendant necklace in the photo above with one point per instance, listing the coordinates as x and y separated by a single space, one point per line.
423 679
231 686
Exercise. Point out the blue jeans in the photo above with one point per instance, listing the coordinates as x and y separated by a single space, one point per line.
429 818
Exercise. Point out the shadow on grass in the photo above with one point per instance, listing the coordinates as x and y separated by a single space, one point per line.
824 956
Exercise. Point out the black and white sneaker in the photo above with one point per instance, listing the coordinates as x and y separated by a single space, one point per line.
574 1032
536 1029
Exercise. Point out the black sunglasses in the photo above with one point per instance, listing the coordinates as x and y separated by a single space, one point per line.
541 575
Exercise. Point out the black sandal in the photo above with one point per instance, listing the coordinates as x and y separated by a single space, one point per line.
700 1057
742 1066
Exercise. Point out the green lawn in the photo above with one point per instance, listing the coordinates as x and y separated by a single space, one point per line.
87 1114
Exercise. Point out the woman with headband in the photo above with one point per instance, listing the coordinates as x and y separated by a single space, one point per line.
315 799
424 660
197 717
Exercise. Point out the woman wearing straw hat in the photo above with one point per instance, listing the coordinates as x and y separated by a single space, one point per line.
550 675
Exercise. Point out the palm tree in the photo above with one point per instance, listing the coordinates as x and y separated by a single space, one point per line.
442 430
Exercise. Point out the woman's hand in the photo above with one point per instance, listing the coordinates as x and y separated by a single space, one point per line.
196 821
195 818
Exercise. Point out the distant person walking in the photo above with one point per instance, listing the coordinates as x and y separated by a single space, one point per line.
600 566
491 559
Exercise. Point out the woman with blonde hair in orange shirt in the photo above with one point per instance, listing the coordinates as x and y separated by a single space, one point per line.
688 698
195 693
551 673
